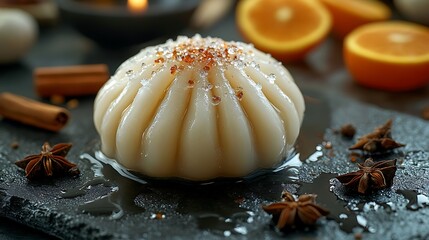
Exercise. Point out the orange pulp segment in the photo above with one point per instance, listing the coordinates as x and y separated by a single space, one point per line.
390 56
287 29
350 14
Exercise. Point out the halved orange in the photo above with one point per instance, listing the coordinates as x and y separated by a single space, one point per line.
287 29
390 55
350 14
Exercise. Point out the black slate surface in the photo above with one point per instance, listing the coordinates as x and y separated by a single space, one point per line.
225 209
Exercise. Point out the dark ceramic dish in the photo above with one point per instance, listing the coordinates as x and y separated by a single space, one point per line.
116 26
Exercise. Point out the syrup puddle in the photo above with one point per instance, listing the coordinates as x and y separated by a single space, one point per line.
216 212
214 204
208 203
347 219
121 198
415 199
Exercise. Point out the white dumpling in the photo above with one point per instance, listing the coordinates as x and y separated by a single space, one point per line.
199 108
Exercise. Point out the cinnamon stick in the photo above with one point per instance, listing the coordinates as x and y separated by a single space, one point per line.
33 113
76 80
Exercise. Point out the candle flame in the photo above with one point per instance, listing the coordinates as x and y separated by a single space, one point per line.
137 5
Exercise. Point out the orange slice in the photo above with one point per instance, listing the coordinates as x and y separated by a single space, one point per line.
287 29
350 14
389 55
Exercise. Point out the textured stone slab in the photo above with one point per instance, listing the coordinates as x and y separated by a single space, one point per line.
181 210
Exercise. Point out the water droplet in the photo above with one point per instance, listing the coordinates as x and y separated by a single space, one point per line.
361 220
318 148
272 78
231 51
144 82
168 55
250 213
203 74
241 230
392 206
239 64
227 233
253 64
213 44
315 156
370 206
353 206
343 216
371 229
422 200
208 87
130 73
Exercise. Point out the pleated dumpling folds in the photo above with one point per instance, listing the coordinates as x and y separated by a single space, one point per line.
199 108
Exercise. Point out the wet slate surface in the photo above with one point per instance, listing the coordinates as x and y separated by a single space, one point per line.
227 208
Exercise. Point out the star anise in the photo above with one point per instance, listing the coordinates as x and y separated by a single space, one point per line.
292 213
51 161
379 140
371 176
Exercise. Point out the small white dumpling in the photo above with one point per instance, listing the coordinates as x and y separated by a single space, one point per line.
199 108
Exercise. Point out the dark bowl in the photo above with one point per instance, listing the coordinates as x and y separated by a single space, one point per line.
116 26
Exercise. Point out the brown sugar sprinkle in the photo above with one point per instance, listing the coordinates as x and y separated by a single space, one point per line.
191 83
57 99
358 236
159 60
327 145
188 59
216 100
354 157
173 69
239 199
425 113
158 216
239 93
72 103
206 52
14 145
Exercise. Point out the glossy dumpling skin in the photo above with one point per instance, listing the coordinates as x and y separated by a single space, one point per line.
199 108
